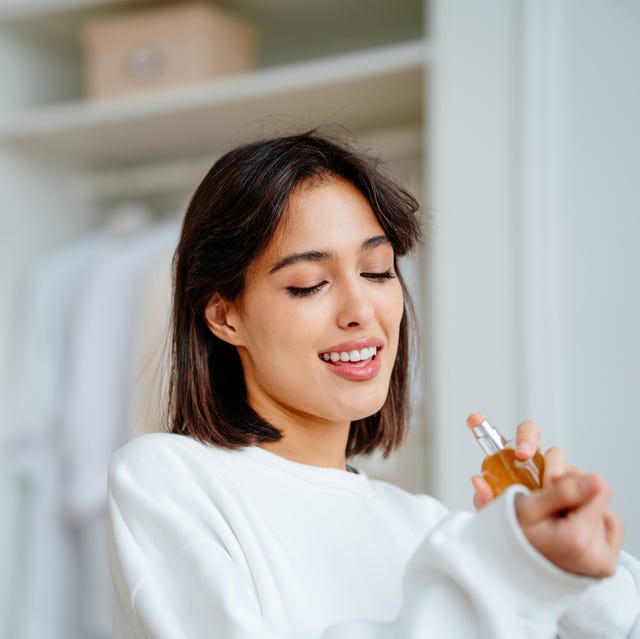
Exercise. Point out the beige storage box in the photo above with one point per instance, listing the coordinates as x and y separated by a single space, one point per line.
164 46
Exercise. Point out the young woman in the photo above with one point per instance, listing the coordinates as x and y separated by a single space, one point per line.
290 355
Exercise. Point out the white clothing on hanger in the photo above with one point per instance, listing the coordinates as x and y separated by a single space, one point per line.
152 327
45 600
98 402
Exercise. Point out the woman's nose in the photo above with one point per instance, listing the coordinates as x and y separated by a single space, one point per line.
356 307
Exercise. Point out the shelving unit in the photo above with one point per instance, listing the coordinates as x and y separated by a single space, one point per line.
362 64
365 90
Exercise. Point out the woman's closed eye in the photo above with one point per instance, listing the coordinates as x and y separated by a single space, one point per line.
298 291
386 275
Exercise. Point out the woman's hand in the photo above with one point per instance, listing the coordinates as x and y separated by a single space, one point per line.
568 520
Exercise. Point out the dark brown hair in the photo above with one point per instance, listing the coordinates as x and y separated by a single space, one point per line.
231 219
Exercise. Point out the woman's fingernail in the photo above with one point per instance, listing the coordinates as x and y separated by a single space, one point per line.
524 448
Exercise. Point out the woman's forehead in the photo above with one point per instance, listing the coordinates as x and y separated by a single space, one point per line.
325 214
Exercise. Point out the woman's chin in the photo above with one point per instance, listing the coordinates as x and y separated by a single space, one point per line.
363 410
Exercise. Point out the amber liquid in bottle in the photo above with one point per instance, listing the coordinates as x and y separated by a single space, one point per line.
500 467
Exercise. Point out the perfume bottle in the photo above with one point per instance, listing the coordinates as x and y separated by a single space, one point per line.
500 467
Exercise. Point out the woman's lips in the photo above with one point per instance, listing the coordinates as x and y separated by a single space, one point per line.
354 344
355 371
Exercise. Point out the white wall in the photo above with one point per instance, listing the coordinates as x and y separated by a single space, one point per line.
473 340
601 235
535 273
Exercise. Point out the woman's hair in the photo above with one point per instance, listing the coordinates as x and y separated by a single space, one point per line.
232 217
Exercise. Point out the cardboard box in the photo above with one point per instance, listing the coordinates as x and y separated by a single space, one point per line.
164 46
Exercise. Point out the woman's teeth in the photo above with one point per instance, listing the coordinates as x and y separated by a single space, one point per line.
350 356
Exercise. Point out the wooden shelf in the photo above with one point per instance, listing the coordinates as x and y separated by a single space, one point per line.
369 89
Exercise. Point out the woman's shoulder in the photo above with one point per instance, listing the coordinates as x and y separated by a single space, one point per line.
164 463
146 450
155 443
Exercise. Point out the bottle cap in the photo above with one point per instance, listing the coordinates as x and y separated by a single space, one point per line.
490 440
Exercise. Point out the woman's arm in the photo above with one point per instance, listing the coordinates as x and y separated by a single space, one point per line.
479 577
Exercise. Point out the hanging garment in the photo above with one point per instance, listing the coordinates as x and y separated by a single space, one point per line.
97 405
61 586
45 597
152 327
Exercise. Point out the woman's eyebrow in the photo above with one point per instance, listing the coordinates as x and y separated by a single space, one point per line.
372 242
305 256
324 256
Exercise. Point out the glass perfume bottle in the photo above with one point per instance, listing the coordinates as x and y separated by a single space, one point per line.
500 467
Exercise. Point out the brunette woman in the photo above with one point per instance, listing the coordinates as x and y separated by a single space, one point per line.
290 355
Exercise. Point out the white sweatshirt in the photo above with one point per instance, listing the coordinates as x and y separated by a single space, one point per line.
245 544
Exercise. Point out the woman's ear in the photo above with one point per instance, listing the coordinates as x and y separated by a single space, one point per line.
221 320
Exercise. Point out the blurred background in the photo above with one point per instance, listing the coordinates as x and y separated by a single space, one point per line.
515 122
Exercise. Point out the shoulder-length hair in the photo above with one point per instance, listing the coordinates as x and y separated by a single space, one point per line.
232 217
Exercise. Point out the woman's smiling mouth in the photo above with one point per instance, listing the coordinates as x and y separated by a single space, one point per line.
356 361
350 356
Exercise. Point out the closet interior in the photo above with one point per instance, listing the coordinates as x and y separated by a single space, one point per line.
73 168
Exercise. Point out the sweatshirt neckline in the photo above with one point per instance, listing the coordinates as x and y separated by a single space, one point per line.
336 478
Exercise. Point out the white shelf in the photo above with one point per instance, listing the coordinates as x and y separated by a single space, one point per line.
368 89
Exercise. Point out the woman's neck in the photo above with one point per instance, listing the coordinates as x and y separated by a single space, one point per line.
323 447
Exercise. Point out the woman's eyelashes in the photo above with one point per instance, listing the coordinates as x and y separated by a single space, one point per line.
297 291
387 275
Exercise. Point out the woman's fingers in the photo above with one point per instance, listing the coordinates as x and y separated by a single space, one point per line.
614 528
570 523
483 494
555 465
528 439
568 492
475 418
590 547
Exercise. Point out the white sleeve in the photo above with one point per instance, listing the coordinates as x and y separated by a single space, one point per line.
477 577
609 609
472 577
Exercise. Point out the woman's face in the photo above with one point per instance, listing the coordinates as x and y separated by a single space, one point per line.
317 325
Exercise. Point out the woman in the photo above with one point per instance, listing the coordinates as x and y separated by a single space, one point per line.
290 355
